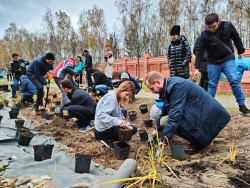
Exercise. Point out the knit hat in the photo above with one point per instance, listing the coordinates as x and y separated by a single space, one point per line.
49 56
124 75
175 30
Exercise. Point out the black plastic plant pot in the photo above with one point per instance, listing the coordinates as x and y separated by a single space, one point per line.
124 134
19 123
13 114
1 106
22 129
148 122
121 149
132 115
58 103
83 162
43 113
24 138
143 135
42 152
54 95
15 110
4 87
49 116
143 108
177 151
1 117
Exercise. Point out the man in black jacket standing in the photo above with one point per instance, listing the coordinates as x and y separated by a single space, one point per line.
81 105
202 66
18 68
217 40
88 67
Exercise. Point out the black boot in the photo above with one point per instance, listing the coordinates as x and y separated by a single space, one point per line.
244 109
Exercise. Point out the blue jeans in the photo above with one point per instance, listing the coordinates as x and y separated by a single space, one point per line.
39 87
229 69
102 88
14 86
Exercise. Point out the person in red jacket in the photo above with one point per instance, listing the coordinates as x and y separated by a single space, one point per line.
65 70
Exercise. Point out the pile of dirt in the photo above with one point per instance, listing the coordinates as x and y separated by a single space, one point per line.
210 167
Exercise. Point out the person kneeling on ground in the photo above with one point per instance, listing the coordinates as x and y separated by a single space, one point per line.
81 105
27 89
109 117
193 114
101 82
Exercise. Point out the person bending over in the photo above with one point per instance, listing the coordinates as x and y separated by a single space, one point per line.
109 118
81 105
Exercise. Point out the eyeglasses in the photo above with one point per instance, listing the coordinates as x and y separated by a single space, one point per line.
212 26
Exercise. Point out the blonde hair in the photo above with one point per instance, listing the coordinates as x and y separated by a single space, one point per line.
151 76
125 86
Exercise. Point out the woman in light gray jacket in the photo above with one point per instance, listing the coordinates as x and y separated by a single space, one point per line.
108 117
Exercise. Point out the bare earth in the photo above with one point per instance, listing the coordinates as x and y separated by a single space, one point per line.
208 168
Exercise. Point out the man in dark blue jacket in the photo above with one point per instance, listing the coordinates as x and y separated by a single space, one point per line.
88 67
81 105
216 39
192 113
36 72
27 89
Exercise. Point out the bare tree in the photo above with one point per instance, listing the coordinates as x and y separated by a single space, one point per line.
134 17
93 33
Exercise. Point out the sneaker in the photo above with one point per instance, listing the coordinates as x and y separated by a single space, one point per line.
86 128
108 143
244 109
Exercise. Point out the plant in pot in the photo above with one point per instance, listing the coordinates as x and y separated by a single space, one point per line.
143 135
124 134
13 114
132 115
143 108
19 123
54 95
44 151
24 137
147 122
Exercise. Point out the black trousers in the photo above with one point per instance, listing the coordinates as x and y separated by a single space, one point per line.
89 80
9 77
82 113
204 80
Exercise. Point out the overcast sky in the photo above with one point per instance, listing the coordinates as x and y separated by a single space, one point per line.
29 13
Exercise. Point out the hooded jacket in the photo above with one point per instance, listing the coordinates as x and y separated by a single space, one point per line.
192 109
65 69
39 68
219 51
179 57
